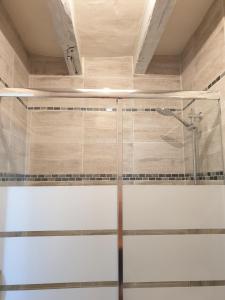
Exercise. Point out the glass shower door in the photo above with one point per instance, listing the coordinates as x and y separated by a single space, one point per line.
173 200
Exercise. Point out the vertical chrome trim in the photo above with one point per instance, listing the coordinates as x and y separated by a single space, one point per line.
120 196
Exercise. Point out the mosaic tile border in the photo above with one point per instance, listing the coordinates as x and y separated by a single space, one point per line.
10 177
105 109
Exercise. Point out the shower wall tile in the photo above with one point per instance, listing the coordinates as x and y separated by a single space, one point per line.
149 127
100 120
108 82
157 157
21 75
108 67
63 82
99 135
157 82
50 158
6 60
203 58
100 158
57 118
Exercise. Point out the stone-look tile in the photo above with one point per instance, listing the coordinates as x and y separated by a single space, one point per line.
128 127
57 118
6 60
108 67
100 158
157 157
55 158
21 75
157 82
56 134
151 126
99 135
57 82
188 65
203 58
210 61
108 82
128 153
100 120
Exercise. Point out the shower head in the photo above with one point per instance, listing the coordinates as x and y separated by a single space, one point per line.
169 113
165 112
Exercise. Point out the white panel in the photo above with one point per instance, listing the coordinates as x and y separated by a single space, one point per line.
69 294
60 259
174 207
59 208
194 293
174 258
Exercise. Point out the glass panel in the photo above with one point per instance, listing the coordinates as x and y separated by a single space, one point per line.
173 200
58 199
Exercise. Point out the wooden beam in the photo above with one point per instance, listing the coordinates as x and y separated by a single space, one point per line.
61 12
154 23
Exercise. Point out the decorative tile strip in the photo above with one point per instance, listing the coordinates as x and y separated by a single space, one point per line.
215 81
172 284
55 286
60 108
89 109
6 177
21 234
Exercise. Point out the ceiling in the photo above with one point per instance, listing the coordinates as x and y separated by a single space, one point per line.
108 27
32 21
105 28
183 22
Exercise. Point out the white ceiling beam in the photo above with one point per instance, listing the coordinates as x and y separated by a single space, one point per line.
156 17
61 12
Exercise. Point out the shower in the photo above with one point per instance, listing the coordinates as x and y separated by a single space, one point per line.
169 113
190 126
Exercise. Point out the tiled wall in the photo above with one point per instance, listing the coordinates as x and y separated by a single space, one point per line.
13 115
84 140
203 63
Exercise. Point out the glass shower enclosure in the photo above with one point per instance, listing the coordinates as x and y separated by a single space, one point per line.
111 195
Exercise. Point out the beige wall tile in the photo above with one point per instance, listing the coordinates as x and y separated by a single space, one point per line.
99 135
108 82
157 82
57 118
58 157
57 82
159 157
21 75
6 60
100 120
100 158
108 67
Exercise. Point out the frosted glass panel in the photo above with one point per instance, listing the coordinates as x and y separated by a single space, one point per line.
173 207
59 208
174 258
60 259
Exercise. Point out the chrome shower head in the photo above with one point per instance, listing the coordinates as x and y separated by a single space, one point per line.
169 113
165 112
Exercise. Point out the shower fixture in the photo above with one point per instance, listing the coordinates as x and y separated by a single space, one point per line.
169 113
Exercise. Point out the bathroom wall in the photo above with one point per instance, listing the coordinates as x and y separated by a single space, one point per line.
79 136
203 65
13 114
